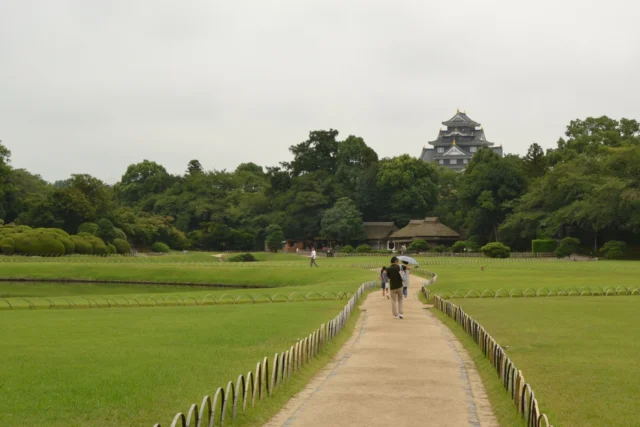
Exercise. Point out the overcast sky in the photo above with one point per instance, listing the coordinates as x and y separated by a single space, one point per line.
92 86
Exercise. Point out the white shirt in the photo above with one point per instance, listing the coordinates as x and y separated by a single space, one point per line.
313 254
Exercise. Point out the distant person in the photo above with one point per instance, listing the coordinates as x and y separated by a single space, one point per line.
403 249
384 282
395 286
313 257
405 278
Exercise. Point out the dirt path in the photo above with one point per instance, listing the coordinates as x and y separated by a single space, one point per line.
394 373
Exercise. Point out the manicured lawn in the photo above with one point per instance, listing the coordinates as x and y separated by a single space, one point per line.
239 274
140 366
520 274
579 354
60 295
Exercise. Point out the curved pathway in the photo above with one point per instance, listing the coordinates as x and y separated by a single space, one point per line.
394 373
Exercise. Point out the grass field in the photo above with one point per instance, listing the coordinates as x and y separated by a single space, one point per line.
132 366
579 354
136 366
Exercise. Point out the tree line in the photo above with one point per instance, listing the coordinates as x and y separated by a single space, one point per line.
587 187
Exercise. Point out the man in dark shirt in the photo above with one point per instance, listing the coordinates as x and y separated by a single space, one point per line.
395 285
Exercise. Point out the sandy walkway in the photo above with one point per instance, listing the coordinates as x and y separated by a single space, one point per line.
393 373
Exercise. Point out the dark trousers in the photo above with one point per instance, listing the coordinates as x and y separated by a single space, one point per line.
313 262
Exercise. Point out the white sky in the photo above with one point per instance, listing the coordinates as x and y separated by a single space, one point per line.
92 86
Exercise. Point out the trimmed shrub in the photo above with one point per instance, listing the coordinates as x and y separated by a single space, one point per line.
120 234
112 249
69 246
459 246
348 249
98 246
568 245
160 247
242 258
7 246
44 244
83 247
418 245
543 245
122 246
88 227
496 250
614 249
440 249
363 249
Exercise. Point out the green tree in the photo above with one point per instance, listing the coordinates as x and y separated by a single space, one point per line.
408 188
141 181
318 153
106 231
343 222
487 189
275 237
535 161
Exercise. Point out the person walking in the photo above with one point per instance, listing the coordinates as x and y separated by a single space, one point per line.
313 257
405 278
395 285
384 282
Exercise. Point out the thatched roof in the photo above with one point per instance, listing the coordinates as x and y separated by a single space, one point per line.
427 228
379 230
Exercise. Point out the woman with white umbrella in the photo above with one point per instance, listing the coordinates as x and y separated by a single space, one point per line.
405 273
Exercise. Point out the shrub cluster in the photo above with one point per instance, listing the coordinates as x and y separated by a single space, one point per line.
348 249
242 258
24 240
160 247
543 245
568 245
418 245
496 250
614 249
363 249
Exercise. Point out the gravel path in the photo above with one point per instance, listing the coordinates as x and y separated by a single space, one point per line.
394 373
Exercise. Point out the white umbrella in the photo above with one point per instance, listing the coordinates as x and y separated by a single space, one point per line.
408 259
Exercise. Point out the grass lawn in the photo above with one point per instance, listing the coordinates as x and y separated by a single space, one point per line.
256 274
579 354
140 366
520 274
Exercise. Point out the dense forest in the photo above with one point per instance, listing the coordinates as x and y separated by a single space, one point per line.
587 187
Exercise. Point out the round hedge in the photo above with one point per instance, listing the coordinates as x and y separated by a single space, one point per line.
160 247
82 246
122 246
43 244
111 249
120 234
7 245
88 227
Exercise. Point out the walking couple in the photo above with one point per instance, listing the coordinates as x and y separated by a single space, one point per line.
395 284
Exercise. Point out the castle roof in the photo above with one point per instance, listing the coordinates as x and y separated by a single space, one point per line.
460 120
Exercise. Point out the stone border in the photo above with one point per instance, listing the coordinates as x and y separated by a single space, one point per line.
227 401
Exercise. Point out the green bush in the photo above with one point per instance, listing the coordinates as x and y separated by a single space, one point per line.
440 249
45 244
567 246
242 258
88 227
363 249
98 246
348 249
418 245
459 246
7 245
83 247
120 234
111 249
69 246
160 247
614 249
543 245
496 250
122 246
